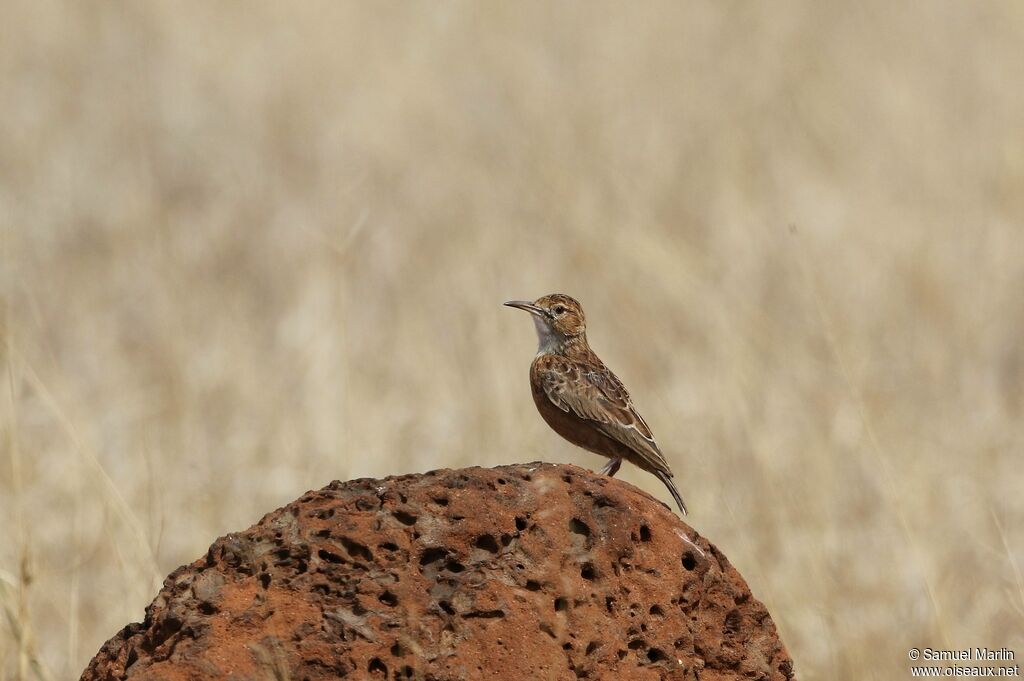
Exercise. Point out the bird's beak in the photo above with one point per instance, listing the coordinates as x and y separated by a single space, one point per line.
528 306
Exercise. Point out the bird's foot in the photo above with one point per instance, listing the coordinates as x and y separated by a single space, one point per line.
612 468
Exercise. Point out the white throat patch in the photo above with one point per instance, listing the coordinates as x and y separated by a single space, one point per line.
547 340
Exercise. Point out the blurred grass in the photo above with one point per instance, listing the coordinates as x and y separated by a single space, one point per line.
250 248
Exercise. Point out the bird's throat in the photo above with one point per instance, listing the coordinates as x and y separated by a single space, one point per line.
551 342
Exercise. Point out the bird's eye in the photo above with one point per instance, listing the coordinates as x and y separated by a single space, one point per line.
559 309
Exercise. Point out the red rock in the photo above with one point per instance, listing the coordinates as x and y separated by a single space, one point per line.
534 571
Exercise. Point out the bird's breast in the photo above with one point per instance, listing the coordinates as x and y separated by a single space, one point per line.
569 425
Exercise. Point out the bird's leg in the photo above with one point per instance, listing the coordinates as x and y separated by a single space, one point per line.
612 468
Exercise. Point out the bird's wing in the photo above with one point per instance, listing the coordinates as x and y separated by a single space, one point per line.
592 392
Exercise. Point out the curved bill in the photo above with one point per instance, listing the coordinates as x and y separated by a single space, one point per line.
526 305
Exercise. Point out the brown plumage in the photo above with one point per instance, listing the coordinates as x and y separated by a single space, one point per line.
581 399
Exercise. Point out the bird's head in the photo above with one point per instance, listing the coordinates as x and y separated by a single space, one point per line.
558 318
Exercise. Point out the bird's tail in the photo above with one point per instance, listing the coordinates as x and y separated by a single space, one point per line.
667 479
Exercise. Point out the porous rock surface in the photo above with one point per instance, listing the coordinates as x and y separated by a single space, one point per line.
532 571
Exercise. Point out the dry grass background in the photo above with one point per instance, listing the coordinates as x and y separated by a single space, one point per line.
248 248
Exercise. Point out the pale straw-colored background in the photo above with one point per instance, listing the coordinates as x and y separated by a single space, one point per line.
248 248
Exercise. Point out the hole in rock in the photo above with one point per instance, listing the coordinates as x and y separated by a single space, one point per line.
577 526
454 566
404 517
326 555
356 550
733 620
484 614
487 543
433 555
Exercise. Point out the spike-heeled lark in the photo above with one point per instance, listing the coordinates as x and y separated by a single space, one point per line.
581 399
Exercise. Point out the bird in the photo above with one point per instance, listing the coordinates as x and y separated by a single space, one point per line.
581 399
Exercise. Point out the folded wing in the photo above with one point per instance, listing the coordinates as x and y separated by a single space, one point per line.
592 392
